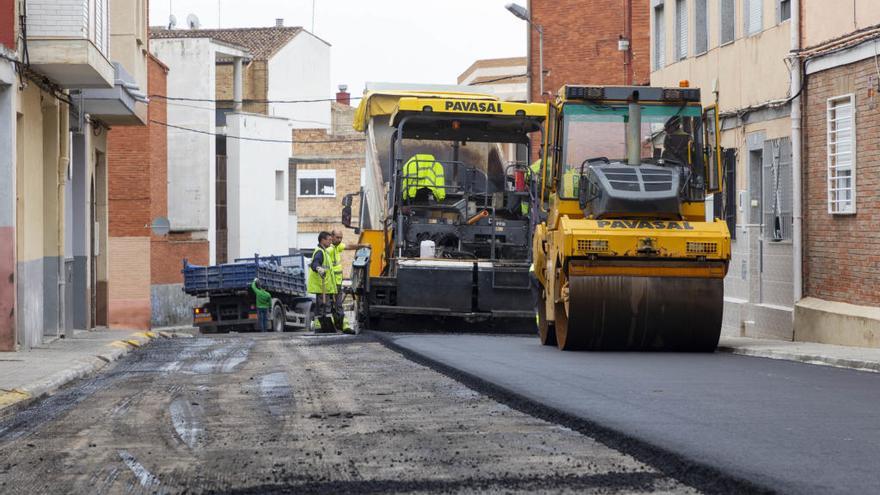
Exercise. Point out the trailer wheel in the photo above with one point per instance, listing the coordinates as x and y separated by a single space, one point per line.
278 318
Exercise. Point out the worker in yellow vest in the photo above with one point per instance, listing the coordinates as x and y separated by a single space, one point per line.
423 171
322 280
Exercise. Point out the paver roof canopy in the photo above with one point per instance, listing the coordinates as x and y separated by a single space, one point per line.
262 43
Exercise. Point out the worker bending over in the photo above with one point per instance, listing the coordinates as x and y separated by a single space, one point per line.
322 281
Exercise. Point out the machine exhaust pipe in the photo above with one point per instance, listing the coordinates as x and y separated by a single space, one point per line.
634 131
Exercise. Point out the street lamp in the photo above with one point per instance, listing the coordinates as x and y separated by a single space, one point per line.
523 13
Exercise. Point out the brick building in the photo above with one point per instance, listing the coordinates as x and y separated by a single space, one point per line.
145 294
581 43
841 175
324 167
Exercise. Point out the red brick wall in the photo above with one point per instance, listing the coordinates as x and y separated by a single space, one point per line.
167 257
842 252
580 43
7 24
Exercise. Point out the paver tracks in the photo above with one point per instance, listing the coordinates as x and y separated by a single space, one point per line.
257 414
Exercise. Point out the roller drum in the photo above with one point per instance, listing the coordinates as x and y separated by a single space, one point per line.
626 313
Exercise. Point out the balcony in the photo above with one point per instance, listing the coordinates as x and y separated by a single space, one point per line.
67 42
123 104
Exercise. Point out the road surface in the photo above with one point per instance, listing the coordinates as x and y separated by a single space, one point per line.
281 413
792 427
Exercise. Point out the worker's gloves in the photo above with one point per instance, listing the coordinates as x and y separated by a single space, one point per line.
321 270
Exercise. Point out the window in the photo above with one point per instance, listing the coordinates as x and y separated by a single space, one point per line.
279 185
681 29
753 16
659 36
783 10
701 28
317 183
728 21
841 155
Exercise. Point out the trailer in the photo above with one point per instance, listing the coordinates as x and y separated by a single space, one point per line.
231 304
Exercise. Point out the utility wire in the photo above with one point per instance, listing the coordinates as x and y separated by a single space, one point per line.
262 140
208 100
195 107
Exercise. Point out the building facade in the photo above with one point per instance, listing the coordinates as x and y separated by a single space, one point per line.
708 44
56 111
841 174
261 74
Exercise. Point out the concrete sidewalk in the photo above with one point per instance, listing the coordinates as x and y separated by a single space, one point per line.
42 370
859 358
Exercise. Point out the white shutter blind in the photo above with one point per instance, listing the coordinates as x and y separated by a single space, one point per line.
754 17
659 37
681 28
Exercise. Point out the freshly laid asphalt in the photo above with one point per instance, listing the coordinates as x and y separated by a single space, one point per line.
790 427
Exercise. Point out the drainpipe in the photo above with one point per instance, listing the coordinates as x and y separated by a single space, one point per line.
63 165
796 166
236 85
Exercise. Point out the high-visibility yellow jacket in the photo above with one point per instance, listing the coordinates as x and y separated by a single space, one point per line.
314 283
423 171
335 252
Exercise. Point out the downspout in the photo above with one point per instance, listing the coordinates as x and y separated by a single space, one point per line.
63 166
796 155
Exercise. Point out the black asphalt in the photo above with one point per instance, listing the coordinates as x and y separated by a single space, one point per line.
790 427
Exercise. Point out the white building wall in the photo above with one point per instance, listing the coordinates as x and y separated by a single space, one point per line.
301 71
257 218
191 156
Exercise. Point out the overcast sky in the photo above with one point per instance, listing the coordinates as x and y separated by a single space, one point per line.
420 41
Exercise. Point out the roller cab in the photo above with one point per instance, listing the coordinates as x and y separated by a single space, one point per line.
627 258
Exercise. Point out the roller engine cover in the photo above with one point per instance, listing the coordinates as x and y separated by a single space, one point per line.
617 190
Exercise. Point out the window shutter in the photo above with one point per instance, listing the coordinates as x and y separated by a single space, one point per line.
728 21
681 27
659 37
701 30
754 18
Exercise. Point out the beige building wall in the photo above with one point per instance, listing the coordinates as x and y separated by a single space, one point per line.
747 71
128 42
747 78
824 20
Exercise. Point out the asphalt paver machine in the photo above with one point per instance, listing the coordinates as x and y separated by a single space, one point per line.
455 246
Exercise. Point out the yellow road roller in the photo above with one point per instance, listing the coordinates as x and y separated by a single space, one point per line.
625 252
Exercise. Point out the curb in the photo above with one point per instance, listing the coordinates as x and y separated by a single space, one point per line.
853 364
79 369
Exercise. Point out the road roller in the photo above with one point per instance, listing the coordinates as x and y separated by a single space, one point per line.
627 256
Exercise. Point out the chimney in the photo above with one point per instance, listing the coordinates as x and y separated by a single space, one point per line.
343 97
279 23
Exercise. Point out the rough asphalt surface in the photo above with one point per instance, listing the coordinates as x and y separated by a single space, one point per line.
294 413
791 427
